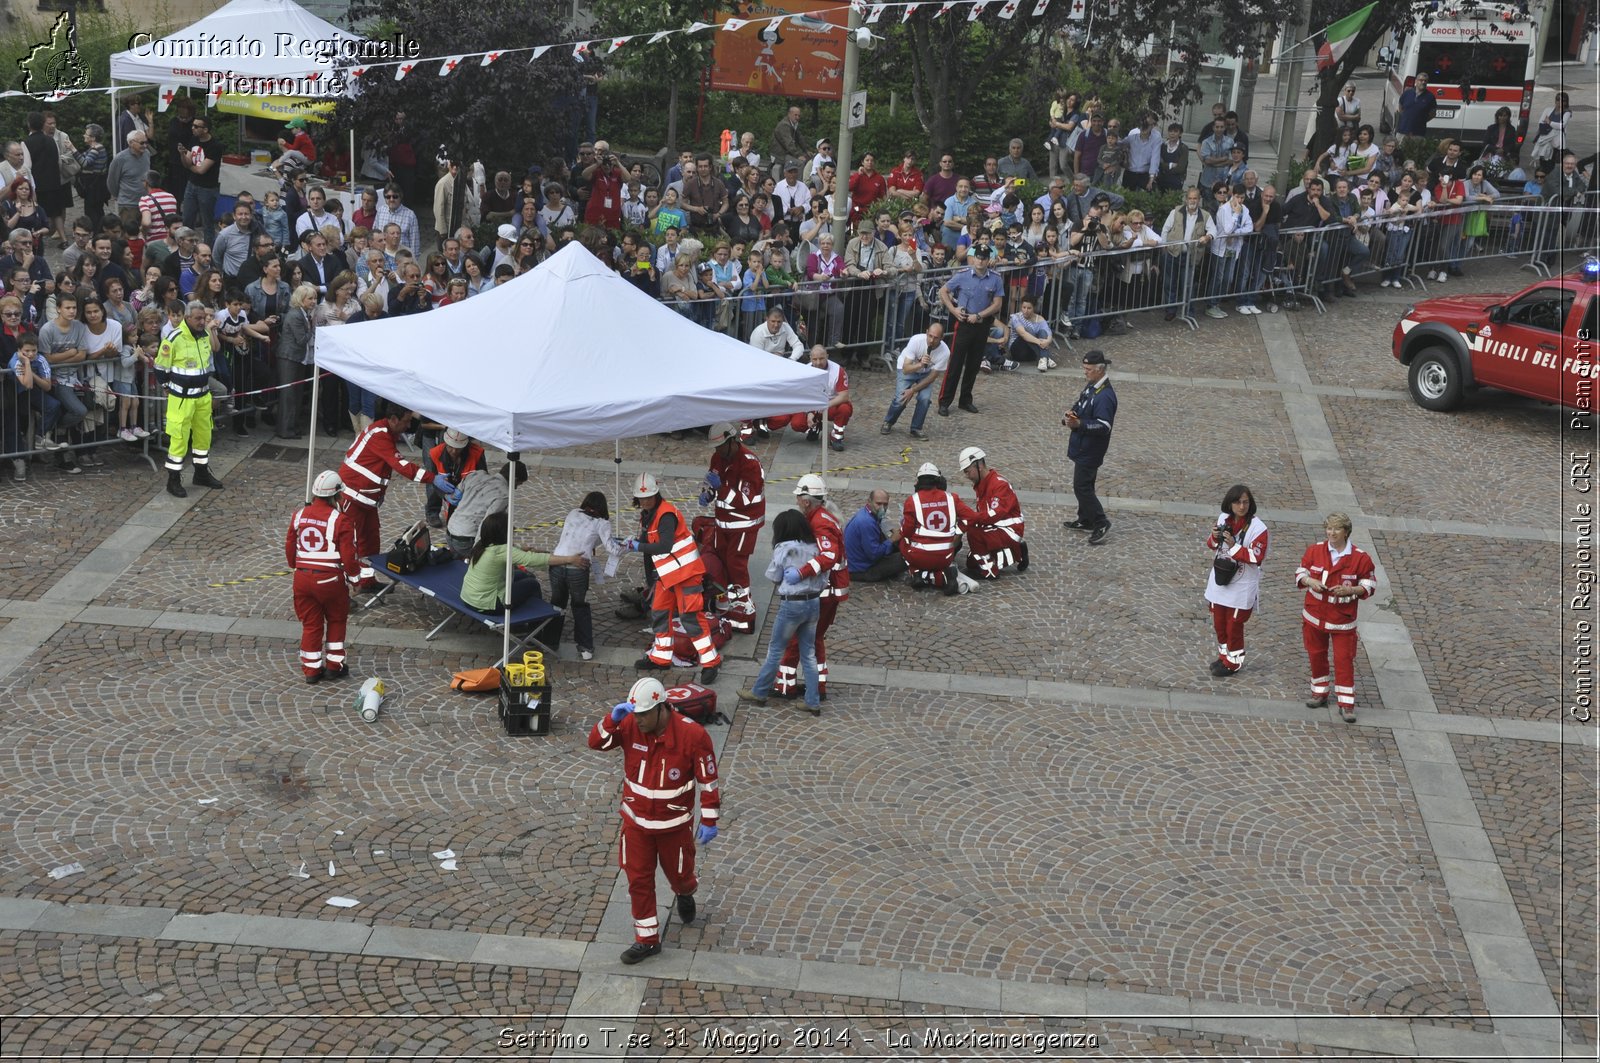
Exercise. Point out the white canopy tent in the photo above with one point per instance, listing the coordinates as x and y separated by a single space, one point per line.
569 353
245 38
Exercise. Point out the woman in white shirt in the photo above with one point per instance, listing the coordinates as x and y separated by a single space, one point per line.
586 528
1347 111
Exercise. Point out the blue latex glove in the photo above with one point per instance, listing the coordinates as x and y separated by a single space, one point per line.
791 575
443 485
619 711
705 497
630 545
455 497
714 480
705 834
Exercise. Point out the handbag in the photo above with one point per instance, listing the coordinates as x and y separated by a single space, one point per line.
71 166
1477 224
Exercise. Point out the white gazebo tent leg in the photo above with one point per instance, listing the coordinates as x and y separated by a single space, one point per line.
511 524
311 430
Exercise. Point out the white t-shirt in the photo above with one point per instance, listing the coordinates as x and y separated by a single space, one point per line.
916 348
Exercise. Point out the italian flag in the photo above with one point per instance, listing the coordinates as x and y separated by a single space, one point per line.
1333 42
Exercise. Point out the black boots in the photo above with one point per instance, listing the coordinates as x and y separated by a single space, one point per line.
175 484
203 477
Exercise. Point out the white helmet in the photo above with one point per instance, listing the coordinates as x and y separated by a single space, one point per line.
928 469
721 432
326 485
646 694
645 486
970 456
810 486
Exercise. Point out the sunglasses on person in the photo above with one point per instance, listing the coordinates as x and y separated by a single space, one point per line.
390 195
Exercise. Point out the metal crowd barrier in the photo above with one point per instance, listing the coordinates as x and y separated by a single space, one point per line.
99 425
1271 270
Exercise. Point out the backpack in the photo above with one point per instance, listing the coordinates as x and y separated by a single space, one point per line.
696 702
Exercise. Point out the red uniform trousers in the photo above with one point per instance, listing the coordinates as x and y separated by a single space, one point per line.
788 682
838 417
684 600
1344 662
990 551
364 521
638 853
323 606
732 550
930 567
1228 623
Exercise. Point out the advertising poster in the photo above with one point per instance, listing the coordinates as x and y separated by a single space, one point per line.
803 56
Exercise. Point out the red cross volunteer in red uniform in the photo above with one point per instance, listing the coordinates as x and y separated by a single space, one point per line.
811 497
995 538
365 475
1242 536
839 407
665 757
321 548
931 523
1336 576
735 487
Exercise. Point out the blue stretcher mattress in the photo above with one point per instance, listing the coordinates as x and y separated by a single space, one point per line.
443 583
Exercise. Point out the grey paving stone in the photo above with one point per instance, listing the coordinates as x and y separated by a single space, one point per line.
956 990
116 616
1460 840
1130 699
549 954
849 979
1505 961
1035 998
1425 746
260 627
1446 1041
1111 1003
1438 779
1486 917
421 944
107 560
20 913
1473 880
907 680
113 920
1371 1035
1054 691
206 622
315 935
1534 1048
39 612
603 958
1223 1017
1528 730
1003 686
220 928
78 587
603 994
1453 723
775 972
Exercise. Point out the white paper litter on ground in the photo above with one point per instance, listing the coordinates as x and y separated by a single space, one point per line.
208 801
66 869
343 902
331 871
302 873
339 832
447 865
379 852
444 854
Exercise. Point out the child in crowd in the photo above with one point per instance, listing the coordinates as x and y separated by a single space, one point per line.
275 220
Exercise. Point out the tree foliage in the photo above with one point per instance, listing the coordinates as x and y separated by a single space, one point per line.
509 114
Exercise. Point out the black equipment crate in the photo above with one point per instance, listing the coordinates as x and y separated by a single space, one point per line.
525 710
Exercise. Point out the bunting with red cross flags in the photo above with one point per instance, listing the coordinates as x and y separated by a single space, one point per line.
977 9
910 9
402 70
1008 9
489 57
448 67
1080 9
617 42
167 94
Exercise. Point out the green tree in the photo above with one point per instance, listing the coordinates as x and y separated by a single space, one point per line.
674 61
508 114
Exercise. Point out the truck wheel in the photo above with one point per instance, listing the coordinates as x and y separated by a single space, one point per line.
1435 379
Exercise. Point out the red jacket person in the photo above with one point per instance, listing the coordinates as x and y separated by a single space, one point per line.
369 462
995 537
811 498
321 548
680 579
1336 576
665 757
930 531
735 487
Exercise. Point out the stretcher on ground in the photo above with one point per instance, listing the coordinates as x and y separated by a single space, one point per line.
443 584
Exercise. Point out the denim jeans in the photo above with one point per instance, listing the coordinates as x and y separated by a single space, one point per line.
1080 282
896 323
1395 260
923 399
569 582
50 405
1223 268
200 210
795 618
1180 280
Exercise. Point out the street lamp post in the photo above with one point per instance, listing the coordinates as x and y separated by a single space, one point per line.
842 156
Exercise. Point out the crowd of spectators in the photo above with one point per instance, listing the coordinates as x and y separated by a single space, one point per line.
725 242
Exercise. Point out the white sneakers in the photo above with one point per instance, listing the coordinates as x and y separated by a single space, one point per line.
127 436
1441 276
1046 364
1248 310
46 443
139 433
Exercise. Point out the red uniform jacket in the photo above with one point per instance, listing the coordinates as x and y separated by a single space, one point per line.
1353 570
368 463
660 771
998 506
929 523
741 503
322 537
830 554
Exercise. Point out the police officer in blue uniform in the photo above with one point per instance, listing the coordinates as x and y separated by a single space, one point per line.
1090 421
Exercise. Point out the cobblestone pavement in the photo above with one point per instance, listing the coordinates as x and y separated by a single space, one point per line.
101 995
1536 803
1437 583
1032 799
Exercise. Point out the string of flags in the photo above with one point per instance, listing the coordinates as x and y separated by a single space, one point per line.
870 11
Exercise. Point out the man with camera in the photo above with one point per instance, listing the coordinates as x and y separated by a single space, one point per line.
605 179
